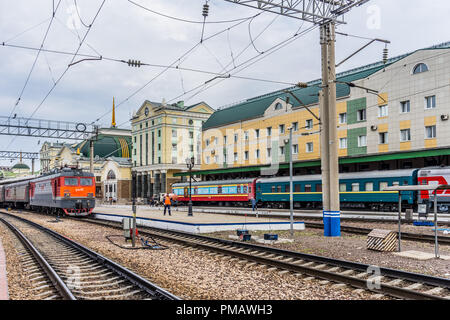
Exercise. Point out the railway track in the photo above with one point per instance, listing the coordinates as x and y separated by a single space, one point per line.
384 281
71 271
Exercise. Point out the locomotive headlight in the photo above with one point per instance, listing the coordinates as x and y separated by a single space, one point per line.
66 194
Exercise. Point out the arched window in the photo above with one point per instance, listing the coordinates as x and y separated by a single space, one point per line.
278 106
111 175
421 67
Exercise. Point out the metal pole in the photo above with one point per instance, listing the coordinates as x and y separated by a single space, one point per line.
436 244
399 221
32 166
190 191
291 198
91 162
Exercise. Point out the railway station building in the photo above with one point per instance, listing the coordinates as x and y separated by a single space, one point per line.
163 136
401 122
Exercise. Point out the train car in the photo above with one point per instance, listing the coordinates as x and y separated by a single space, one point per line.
434 176
70 191
363 190
220 192
2 195
17 194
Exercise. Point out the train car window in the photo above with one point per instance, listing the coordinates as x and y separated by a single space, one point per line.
258 189
85 182
395 183
219 189
287 188
279 189
342 187
196 190
70 181
297 188
307 188
244 189
273 189
405 182
383 185
319 187
355 187
369 186
238 189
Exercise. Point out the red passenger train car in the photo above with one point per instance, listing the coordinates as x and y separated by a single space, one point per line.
220 192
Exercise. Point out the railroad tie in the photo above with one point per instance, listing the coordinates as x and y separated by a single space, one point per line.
323 282
414 286
283 272
320 266
334 269
307 264
272 269
394 282
339 286
309 278
435 291
347 272
362 275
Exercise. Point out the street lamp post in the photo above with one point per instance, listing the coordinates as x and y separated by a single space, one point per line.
190 164
291 197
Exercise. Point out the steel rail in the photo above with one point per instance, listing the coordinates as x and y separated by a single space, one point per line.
59 284
150 288
360 283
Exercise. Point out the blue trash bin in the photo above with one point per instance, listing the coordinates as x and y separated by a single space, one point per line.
332 223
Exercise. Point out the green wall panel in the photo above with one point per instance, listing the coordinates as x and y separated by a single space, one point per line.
352 141
352 108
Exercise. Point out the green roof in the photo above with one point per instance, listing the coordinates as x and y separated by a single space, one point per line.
20 166
255 107
107 146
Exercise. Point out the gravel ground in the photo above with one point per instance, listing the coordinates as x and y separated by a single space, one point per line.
192 274
19 285
353 248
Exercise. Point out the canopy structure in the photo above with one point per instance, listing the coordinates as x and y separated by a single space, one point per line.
428 187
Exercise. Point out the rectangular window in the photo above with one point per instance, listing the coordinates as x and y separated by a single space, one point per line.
342 118
383 185
159 133
343 143
246 155
361 115
362 141
369 186
235 157
307 188
85 182
246 135
355 187
281 128
405 106
383 138
159 146
269 152
269 131
257 133
295 149
287 188
430 102
309 124
224 140
382 111
281 150
257 154
405 135
318 187
174 133
70 181
295 126
236 137
297 188
278 189
207 160
430 132
207 142
309 147
191 135
273 189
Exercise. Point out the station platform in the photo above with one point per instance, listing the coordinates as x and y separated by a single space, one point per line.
3 276
200 222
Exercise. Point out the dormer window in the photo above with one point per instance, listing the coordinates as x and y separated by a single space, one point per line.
278 106
421 67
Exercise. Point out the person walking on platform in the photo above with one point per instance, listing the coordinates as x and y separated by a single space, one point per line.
253 204
167 204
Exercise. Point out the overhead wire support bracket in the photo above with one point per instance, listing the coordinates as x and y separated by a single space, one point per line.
368 90
299 101
218 77
86 59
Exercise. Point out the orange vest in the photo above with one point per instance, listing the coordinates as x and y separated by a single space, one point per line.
167 200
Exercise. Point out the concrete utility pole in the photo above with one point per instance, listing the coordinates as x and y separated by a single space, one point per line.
328 115
91 153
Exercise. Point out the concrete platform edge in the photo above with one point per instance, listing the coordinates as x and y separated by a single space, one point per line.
3 275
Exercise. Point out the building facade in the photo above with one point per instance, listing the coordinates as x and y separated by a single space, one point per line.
163 137
401 122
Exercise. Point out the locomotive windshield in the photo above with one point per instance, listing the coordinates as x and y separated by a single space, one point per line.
70 181
85 182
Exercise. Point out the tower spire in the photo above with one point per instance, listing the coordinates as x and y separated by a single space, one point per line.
113 123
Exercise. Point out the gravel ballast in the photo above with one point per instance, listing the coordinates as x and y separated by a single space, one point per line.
194 274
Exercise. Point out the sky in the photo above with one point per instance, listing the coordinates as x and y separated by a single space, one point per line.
124 30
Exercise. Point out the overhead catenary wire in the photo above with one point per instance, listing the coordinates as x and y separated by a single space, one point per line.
65 71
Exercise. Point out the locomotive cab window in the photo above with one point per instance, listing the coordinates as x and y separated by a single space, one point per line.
70 181
85 182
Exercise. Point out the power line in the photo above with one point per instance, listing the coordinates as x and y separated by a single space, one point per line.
35 60
185 20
